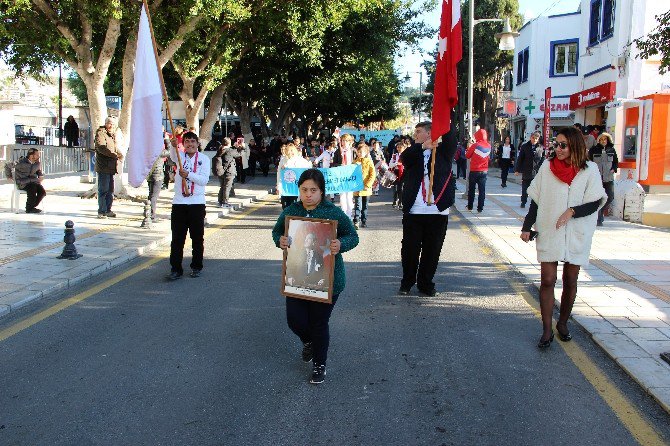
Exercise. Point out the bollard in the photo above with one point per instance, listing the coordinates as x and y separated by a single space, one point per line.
146 223
69 251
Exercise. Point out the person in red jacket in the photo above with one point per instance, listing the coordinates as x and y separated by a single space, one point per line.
478 154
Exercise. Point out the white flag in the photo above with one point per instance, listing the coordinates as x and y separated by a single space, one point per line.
146 132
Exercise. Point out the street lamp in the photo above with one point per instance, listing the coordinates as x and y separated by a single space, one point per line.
506 44
407 79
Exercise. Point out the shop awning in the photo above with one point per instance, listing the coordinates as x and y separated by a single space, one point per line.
34 121
554 115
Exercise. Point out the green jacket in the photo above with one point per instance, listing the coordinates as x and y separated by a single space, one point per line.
346 233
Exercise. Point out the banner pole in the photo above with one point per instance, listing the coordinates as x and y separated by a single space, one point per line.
432 175
160 76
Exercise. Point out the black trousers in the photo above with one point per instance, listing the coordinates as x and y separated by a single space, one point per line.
225 186
461 168
504 169
309 321
477 179
154 192
241 173
609 190
287 200
35 192
191 218
422 239
524 190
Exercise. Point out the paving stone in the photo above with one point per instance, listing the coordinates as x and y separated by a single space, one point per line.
645 334
618 345
595 324
20 298
649 372
621 322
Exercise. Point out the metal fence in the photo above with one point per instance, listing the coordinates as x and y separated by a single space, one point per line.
55 160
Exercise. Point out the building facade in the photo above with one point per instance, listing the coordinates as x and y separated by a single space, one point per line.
589 59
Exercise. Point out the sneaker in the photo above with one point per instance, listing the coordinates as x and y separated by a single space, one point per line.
523 205
220 205
307 352
155 219
600 223
364 225
479 211
174 275
110 214
403 291
318 374
469 208
102 216
356 225
431 293
195 273
227 206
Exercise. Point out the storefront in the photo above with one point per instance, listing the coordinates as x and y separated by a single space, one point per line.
641 130
589 104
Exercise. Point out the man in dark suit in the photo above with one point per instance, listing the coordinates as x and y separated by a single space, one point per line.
424 225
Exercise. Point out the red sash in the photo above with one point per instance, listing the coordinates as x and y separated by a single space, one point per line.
184 188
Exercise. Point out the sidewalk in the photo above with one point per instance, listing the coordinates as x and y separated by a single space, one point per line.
623 295
30 243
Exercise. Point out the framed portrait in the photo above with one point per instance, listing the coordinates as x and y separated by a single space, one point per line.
308 267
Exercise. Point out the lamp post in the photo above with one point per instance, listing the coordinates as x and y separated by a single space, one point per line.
506 44
407 79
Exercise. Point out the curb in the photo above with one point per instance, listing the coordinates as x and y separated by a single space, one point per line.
9 303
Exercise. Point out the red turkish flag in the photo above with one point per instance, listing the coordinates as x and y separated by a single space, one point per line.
450 52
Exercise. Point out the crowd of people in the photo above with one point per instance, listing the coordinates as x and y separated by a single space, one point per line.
577 170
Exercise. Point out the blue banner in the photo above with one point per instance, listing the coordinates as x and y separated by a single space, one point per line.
338 179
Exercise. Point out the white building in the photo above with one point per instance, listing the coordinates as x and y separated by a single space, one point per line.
587 58
546 55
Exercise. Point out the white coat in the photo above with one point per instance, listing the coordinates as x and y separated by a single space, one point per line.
572 242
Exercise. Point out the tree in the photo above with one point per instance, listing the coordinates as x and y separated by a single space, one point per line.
657 42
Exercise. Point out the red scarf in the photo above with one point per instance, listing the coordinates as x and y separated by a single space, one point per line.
563 171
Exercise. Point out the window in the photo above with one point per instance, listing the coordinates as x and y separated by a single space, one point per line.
601 24
594 25
608 18
525 65
564 55
522 66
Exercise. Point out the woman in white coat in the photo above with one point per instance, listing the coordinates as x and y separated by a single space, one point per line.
567 193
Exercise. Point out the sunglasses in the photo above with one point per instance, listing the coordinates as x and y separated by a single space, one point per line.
562 145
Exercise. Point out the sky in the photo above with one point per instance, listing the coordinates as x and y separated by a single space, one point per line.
408 62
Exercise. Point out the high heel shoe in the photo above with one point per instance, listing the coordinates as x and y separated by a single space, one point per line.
545 344
563 337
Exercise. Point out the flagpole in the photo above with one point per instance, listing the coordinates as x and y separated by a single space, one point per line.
432 176
160 75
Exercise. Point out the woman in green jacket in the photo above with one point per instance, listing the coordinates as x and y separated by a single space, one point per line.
309 319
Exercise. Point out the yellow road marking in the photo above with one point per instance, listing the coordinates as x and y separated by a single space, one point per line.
32 320
631 418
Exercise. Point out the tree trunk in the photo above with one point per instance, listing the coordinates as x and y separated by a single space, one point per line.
213 112
128 73
97 103
245 114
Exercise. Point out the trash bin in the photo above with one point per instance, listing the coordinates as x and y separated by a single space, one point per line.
628 201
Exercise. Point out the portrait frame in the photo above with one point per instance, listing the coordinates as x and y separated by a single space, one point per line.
308 267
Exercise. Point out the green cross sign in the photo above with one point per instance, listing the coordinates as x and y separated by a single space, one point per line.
530 107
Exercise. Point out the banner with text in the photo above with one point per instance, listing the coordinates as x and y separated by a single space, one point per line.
338 179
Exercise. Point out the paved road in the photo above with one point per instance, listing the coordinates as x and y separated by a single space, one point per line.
211 360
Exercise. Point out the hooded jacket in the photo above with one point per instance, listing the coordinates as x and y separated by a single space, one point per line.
479 153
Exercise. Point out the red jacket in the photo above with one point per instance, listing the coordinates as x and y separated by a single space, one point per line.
479 153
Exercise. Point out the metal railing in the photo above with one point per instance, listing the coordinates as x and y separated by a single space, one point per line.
55 160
